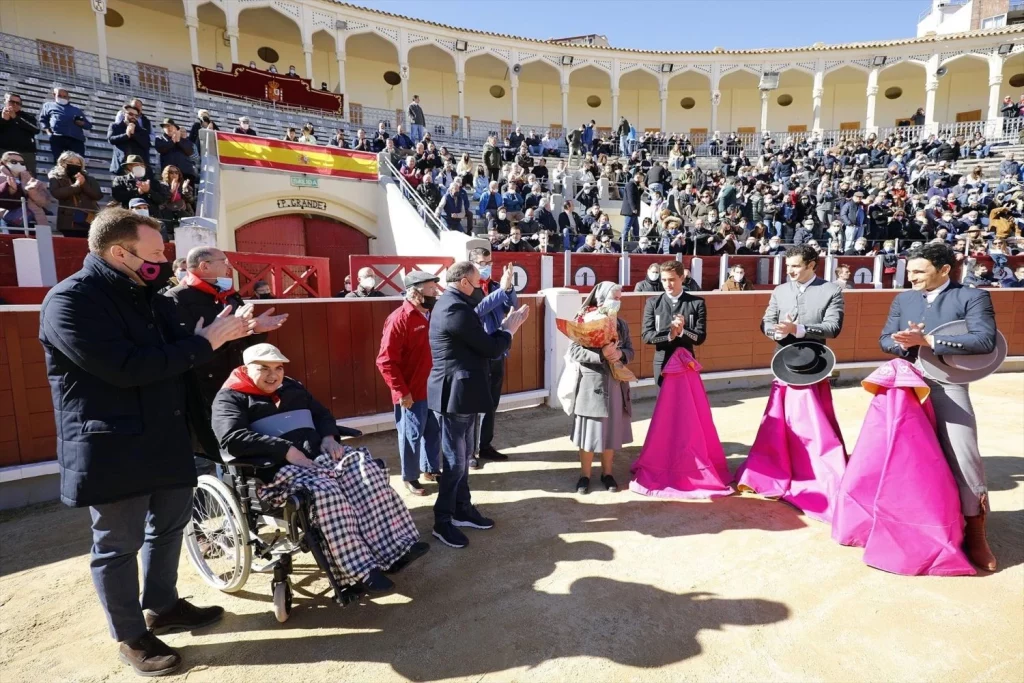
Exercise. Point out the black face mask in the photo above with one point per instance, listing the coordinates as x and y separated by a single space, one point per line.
72 170
265 295
477 296
428 301
155 275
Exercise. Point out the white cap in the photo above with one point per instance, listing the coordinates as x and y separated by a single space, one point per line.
263 353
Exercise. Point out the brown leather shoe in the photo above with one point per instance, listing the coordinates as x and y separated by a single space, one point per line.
975 543
430 476
149 656
184 616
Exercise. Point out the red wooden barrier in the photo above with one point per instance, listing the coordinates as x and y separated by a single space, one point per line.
68 253
586 270
527 270
863 271
295 277
757 269
1012 264
638 265
390 270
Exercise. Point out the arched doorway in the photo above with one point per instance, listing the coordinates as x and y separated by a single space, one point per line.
300 234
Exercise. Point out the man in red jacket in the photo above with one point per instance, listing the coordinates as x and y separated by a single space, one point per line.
404 362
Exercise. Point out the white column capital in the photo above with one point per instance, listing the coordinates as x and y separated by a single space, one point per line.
765 94
615 92
460 76
818 93
995 80
513 80
872 90
663 93
339 56
565 88
192 21
307 47
931 84
99 6
231 31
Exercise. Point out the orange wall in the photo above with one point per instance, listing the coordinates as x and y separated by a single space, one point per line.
333 346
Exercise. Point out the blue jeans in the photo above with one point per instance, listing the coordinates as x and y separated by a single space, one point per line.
151 523
416 132
624 145
568 243
418 440
630 228
458 441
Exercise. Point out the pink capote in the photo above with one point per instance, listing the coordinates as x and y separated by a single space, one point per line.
798 454
682 456
898 498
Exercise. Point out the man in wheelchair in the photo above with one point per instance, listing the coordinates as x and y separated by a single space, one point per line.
264 419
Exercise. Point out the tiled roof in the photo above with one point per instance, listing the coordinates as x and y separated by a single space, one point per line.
924 40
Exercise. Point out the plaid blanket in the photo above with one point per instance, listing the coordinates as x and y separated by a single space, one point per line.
363 521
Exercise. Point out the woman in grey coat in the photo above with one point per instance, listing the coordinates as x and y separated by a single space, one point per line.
601 408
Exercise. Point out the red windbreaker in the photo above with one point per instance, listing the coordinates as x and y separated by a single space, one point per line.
404 358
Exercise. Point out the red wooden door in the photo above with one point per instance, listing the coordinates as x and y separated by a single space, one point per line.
336 241
275 235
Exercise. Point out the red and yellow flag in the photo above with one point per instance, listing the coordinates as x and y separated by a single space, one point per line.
295 157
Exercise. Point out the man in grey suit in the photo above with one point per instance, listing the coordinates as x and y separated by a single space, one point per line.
935 300
806 307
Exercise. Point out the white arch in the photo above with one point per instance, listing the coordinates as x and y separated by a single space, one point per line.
852 65
589 62
965 55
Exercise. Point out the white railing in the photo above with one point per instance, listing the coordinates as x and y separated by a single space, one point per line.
430 219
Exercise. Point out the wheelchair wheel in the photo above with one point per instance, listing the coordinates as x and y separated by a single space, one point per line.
217 538
282 601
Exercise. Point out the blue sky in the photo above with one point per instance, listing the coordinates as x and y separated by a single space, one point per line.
677 24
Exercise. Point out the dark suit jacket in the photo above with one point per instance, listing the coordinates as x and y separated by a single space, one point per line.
631 199
956 302
563 222
460 380
658 315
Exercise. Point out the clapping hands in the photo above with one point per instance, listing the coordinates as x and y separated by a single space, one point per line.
515 319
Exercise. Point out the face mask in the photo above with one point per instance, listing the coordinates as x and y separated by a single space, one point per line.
477 296
142 212
515 240
611 307
155 275
139 171
485 271
244 126
265 295
428 301
738 277
653 277
367 283
224 283
181 275
72 170
16 168
63 101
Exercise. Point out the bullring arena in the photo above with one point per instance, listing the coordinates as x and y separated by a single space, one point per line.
306 131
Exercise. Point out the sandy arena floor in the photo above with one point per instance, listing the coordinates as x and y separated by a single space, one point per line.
607 587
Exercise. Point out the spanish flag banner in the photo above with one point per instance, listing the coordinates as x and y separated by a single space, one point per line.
295 157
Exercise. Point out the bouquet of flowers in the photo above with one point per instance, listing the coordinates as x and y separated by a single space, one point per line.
595 329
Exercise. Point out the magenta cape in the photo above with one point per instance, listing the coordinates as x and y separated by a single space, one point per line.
798 454
682 456
898 498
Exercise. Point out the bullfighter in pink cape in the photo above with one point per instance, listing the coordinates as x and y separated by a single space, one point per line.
682 456
949 332
898 499
799 454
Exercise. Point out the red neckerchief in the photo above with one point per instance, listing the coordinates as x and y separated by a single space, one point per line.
239 380
203 286
485 285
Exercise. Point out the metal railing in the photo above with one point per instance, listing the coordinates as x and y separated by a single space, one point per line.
430 219
53 62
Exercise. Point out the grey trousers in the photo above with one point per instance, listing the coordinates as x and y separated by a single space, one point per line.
958 435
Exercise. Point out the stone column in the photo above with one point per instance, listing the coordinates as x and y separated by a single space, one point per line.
514 87
663 94
193 37
565 108
765 94
340 57
615 109
995 83
307 50
403 70
817 93
872 93
99 8
931 87
716 78
232 34
460 80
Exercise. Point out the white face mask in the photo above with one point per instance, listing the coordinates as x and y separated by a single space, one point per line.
16 168
63 101
738 277
142 212
367 282
139 172
224 283
181 275
611 307
244 126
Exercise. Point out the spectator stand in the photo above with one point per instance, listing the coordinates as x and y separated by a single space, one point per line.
430 219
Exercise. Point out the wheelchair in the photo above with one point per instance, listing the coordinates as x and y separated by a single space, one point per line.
230 527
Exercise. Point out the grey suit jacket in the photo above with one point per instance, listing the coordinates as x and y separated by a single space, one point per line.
819 309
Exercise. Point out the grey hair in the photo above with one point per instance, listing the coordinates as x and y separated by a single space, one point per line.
460 270
199 254
67 156
8 154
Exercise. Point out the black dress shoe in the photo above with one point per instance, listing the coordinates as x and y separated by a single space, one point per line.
583 486
489 453
608 481
378 584
184 616
149 656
